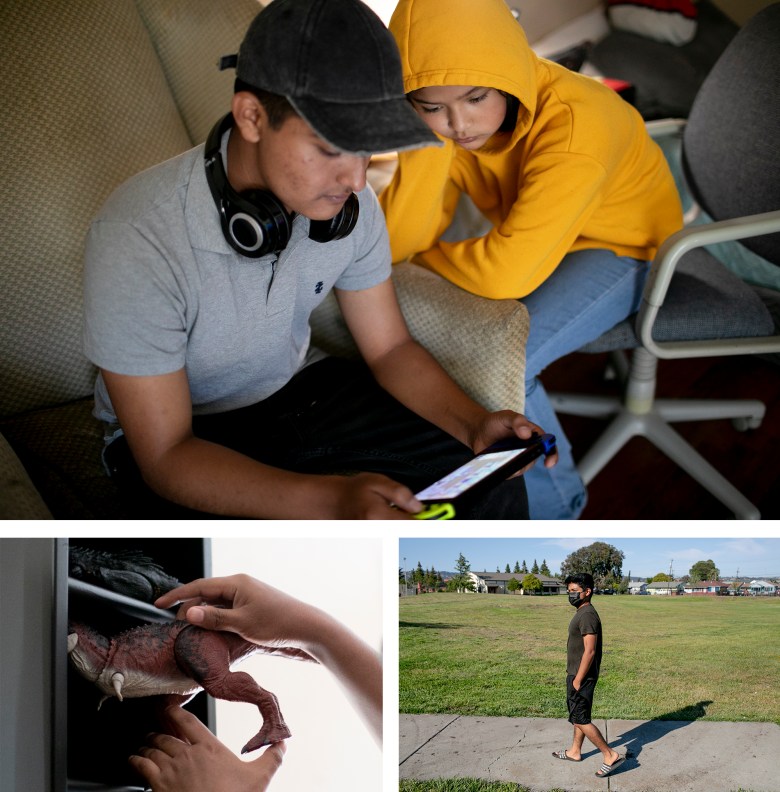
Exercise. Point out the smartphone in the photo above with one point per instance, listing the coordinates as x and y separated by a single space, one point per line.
488 468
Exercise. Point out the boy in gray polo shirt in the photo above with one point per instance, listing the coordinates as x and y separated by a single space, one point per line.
201 275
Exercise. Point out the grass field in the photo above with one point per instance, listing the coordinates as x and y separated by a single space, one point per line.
678 658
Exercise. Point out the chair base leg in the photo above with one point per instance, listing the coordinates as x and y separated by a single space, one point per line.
653 427
671 410
639 412
711 409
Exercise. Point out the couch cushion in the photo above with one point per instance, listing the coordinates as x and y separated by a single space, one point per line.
61 450
85 105
19 499
190 36
479 342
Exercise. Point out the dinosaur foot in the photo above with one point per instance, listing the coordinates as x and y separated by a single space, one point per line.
266 736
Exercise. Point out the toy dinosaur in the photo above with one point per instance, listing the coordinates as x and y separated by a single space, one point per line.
127 572
177 659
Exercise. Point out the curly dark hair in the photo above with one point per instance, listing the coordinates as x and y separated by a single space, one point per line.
583 579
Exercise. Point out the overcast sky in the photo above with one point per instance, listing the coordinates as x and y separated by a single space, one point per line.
643 557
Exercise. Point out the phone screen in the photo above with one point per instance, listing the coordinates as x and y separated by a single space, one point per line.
466 476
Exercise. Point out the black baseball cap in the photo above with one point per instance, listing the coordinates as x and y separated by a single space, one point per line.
338 66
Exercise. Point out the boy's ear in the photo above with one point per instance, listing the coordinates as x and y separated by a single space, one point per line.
250 116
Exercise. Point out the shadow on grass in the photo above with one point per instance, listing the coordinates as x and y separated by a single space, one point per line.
430 625
634 740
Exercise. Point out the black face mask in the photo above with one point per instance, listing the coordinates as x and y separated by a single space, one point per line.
574 598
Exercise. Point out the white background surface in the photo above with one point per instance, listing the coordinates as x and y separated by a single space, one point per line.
330 748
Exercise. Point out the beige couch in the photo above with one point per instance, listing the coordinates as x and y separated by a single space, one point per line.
92 92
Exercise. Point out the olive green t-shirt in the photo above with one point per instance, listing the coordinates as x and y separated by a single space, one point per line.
585 622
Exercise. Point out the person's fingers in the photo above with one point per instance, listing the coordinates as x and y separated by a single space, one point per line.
146 768
210 618
212 589
270 761
154 755
186 725
167 743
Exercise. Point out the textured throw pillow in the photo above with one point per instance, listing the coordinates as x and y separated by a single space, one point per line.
669 21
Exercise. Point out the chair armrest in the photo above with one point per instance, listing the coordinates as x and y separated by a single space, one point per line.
479 342
662 270
19 500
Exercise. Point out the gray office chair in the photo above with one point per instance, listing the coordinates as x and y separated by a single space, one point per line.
692 305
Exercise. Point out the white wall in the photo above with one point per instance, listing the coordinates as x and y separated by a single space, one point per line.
382 8
330 748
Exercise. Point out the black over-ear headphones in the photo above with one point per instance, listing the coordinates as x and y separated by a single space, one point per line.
254 222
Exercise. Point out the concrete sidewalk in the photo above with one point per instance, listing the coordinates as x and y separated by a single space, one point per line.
663 756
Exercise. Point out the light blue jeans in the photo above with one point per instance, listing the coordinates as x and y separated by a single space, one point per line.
589 293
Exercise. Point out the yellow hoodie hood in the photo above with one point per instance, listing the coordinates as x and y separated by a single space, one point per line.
578 171
466 42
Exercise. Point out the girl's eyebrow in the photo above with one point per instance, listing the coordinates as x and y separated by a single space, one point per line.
468 93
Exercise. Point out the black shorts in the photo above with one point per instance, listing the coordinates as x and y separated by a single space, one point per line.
579 702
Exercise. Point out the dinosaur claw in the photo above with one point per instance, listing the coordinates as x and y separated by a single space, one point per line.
117 680
273 734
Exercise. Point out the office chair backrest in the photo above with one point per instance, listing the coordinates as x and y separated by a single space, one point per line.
731 144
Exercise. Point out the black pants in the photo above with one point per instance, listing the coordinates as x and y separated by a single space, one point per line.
333 418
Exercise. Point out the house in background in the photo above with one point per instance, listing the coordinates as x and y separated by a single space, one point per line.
636 586
762 588
496 582
665 588
706 587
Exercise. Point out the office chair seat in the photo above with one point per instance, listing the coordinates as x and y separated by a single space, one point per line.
692 305
705 300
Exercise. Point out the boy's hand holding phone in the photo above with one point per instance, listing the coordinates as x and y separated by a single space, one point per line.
498 462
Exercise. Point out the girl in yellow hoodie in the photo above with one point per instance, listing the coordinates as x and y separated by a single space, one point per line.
577 195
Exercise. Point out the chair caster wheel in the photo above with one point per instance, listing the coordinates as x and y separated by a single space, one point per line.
743 424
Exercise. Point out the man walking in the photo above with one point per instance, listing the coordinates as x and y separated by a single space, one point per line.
583 661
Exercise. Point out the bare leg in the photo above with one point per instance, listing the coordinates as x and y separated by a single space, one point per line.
575 751
591 731
204 656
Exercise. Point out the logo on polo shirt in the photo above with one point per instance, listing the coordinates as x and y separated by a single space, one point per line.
318 288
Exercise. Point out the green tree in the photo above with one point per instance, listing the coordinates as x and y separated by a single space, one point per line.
535 568
532 584
461 580
513 585
602 560
507 570
524 568
418 576
661 577
517 569
704 570
544 569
